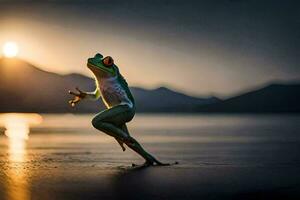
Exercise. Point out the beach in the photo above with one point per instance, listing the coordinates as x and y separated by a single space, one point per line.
220 157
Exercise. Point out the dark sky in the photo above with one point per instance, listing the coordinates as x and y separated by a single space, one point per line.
200 47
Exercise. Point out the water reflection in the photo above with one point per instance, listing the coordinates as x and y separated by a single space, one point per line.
17 131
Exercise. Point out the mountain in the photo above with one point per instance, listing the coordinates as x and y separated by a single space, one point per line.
273 98
165 100
26 88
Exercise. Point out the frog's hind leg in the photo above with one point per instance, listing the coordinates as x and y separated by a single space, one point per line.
112 122
106 121
150 160
120 135
121 143
134 145
110 131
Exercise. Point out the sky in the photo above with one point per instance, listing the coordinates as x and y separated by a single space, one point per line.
216 47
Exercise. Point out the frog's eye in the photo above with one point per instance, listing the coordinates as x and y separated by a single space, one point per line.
108 61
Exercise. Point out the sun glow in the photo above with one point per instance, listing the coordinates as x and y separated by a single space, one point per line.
10 49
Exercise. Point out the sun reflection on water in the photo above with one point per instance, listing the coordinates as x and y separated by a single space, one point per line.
17 129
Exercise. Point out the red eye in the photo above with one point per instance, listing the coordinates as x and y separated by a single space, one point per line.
108 61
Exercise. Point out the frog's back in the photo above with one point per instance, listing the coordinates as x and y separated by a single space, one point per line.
125 86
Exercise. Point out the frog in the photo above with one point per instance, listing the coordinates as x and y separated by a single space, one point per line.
115 93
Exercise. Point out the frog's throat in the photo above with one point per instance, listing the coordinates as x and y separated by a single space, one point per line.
110 71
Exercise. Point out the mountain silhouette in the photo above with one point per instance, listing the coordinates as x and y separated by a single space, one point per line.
273 98
26 88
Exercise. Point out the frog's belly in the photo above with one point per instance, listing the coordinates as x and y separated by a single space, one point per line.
114 95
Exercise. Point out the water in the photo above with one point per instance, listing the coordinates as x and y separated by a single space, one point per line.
191 139
36 148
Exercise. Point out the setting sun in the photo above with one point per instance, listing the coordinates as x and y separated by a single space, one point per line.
10 49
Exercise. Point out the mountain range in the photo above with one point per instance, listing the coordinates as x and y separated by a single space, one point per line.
272 98
26 88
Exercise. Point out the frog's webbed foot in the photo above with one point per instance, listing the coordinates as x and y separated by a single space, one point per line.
78 96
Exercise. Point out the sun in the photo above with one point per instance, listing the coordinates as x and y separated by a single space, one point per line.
10 49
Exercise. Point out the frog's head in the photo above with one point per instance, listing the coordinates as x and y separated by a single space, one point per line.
102 66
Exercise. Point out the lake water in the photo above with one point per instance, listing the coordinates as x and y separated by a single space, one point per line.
31 144
190 139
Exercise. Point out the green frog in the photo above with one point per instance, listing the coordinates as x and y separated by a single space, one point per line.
115 93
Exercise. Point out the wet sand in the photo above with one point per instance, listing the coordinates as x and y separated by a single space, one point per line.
66 164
